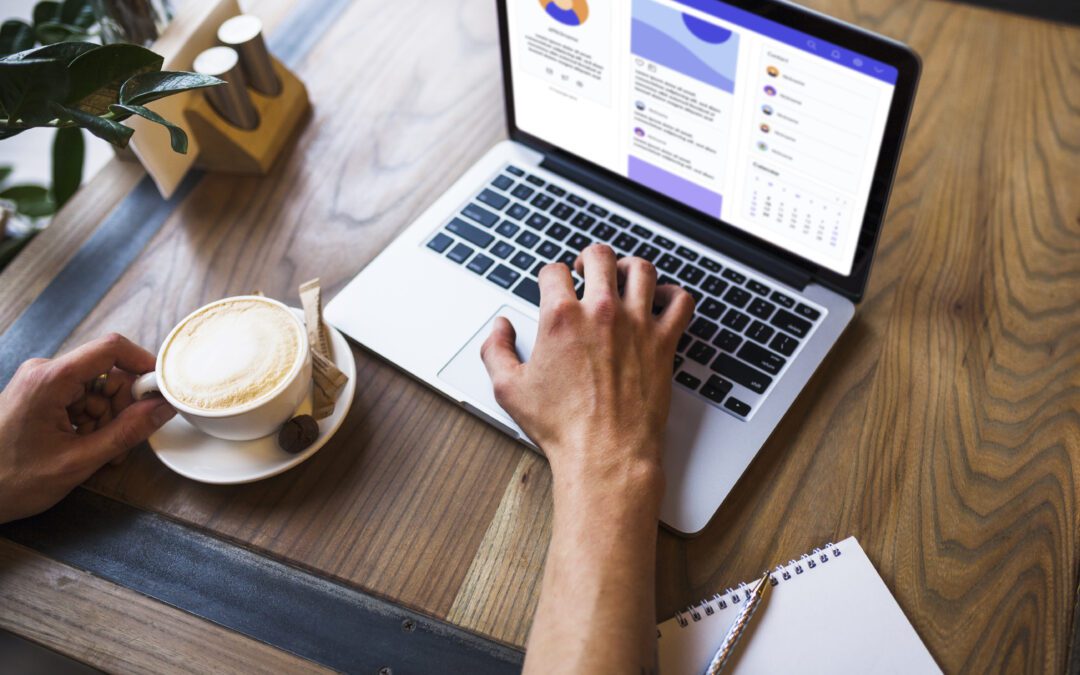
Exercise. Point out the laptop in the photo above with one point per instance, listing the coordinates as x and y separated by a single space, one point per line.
746 148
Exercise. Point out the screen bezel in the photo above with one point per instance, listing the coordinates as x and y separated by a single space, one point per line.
900 56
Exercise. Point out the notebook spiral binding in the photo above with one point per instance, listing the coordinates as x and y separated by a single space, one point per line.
734 596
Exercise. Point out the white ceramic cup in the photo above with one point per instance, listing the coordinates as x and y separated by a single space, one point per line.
255 420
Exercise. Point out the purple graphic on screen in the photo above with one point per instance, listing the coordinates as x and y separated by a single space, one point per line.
673 186
685 44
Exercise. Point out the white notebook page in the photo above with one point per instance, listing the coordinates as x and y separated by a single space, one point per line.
835 617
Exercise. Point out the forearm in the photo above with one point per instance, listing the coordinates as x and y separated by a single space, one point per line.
597 602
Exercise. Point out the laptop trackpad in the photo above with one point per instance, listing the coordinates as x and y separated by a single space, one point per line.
466 372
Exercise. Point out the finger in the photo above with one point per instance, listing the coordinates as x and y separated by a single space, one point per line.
499 357
597 265
101 356
556 285
639 284
119 390
117 461
132 426
677 308
95 405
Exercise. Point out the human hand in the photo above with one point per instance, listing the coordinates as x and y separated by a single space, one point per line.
596 391
57 428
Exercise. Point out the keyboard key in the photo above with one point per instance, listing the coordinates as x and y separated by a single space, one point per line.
762 358
507 229
714 286
578 241
535 180
785 344
470 233
687 253
733 369
539 266
548 250
529 290
737 296
785 320
727 340
583 220
517 212
736 406
732 275
527 239
758 287
702 353
687 380
523 191
568 259
523 260
504 276
735 320
492 199
619 220
703 328
759 332
782 300
668 263
665 279
537 221
597 210
480 263
603 231
459 253
514 170
555 190
711 308
808 312
440 242
501 250
575 200
480 215
684 342
691 274
562 211
695 294
641 231
542 202
762 309
663 242
716 389
710 265
624 242
647 251
503 182
558 232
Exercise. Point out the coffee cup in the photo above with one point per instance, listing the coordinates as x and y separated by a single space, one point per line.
237 368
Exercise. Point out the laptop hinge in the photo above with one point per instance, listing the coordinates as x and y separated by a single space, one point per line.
774 266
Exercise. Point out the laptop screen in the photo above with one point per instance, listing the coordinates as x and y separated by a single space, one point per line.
769 129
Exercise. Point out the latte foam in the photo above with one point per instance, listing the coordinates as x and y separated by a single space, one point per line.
231 354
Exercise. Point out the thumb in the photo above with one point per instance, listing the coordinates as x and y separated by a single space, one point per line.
498 354
131 427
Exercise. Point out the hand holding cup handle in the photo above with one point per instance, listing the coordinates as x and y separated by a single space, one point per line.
145 385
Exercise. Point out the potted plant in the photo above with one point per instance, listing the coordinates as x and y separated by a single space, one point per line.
51 77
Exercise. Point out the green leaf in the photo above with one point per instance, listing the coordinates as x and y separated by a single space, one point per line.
52 32
15 36
30 200
147 87
63 51
177 138
5 171
28 87
97 75
68 151
78 13
111 131
46 11
11 247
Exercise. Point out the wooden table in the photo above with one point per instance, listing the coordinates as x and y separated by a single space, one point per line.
942 432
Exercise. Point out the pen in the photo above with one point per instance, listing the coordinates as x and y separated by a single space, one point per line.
738 627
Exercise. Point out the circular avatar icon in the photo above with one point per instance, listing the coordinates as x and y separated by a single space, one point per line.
567 12
770 90
773 71
640 105
639 132
767 109
764 128
762 146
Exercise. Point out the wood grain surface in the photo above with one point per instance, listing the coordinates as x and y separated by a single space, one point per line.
942 432
118 630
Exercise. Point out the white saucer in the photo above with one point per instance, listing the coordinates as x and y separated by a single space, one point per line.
198 456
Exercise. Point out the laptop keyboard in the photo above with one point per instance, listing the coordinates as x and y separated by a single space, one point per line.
744 331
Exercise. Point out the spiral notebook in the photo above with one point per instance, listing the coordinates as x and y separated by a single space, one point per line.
827 612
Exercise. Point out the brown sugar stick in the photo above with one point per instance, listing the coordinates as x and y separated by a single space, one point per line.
311 299
327 380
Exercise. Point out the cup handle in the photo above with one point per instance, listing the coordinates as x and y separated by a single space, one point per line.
144 386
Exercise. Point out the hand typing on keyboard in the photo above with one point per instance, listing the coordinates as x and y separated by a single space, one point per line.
594 396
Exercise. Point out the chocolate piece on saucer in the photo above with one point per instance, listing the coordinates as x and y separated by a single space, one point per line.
298 433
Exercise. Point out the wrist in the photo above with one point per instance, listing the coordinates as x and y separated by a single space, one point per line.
615 482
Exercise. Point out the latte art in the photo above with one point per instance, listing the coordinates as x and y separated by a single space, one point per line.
231 354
